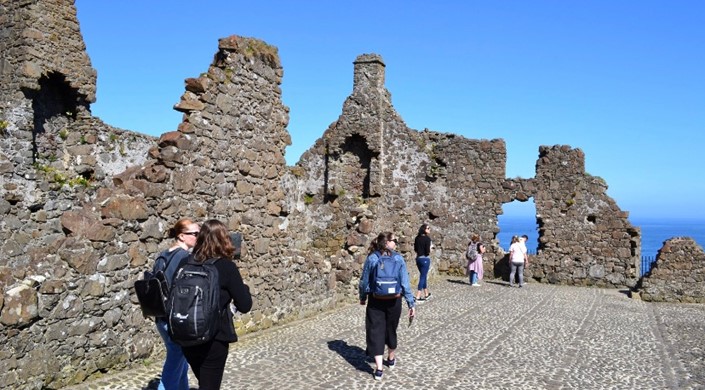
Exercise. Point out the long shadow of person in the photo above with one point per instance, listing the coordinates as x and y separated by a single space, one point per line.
352 354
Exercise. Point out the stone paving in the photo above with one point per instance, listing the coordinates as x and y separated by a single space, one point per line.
487 337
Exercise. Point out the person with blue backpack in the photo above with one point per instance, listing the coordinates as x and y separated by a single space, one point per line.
383 283
175 369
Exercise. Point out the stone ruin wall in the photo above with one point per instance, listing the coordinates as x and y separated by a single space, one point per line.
395 178
584 237
371 173
71 252
678 275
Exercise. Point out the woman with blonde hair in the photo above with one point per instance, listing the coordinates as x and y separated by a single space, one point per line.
517 260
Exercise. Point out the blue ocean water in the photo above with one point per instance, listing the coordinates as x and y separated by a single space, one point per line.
653 231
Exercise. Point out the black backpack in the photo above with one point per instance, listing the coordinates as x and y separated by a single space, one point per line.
193 308
385 281
153 290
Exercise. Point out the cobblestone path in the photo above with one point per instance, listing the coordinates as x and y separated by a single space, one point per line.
487 337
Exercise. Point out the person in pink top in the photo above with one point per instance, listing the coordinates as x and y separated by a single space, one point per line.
475 268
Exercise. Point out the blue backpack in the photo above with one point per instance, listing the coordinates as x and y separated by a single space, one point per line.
385 280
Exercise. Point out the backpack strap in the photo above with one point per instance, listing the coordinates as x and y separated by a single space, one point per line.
164 259
168 260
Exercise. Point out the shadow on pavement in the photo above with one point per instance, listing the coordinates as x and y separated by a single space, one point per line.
498 282
352 354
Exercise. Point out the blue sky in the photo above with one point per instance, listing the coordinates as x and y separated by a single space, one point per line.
622 80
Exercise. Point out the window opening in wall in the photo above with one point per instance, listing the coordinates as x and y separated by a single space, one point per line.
357 146
54 99
351 167
519 218
592 218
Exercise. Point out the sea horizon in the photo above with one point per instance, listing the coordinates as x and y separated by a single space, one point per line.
654 231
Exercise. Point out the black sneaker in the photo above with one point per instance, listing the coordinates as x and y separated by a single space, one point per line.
378 375
390 363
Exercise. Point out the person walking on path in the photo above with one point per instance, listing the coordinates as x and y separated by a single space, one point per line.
518 259
175 369
422 247
475 267
207 360
383 312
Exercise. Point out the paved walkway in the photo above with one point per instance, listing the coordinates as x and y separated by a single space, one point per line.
487 337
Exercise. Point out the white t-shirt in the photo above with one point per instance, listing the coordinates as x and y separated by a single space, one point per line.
517 251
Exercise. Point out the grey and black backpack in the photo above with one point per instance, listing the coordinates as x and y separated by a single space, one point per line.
193 309
471 253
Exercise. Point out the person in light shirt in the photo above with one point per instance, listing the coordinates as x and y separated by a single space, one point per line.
518 259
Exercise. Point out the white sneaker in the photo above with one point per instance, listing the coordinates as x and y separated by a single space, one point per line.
476 285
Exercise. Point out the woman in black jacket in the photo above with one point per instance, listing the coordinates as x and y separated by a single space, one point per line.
422 247
207 360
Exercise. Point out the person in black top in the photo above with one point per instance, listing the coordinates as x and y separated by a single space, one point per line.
207 360
422 247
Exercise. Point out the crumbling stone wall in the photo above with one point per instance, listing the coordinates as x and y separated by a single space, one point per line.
85 206
40 38
678 275
584 237
371 173
390 177
225 161
44 70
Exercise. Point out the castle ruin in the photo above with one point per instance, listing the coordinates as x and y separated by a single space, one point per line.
85 205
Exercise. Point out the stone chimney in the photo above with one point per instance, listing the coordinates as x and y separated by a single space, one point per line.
368 73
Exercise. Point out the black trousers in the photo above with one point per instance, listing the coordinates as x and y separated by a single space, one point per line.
381 322
207 362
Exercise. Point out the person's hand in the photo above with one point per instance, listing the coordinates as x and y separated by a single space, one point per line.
412 312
